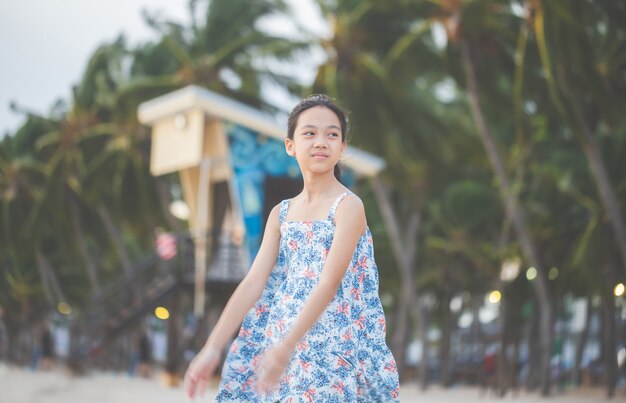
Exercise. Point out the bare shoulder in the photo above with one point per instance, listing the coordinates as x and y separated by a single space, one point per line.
275 211
351 211
353 201
273 220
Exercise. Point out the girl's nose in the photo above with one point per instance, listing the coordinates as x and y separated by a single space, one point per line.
319 142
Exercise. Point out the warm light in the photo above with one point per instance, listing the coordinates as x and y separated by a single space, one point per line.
161 313
64 308
179 209
553 273
510 269
495 296
531 273
619 290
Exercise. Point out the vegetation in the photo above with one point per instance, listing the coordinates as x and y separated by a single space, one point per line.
501 122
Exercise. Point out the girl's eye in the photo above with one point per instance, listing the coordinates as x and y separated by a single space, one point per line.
308 134
333 134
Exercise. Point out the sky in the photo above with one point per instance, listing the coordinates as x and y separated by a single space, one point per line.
45 44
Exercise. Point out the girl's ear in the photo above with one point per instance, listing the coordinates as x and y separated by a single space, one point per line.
289 147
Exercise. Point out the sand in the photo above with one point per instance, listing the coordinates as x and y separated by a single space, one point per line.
55 386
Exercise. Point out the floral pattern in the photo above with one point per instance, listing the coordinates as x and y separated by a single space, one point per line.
344 356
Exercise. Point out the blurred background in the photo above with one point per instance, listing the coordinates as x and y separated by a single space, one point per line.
488 144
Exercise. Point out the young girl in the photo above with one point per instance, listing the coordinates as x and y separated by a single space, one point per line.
313 326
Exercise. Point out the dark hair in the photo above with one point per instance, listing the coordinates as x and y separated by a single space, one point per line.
313 101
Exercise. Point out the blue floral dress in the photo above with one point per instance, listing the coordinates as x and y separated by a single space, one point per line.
343 357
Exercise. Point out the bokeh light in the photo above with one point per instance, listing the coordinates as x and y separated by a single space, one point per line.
510 269
64 308
619 290
531 273
553 273
161 313
495 296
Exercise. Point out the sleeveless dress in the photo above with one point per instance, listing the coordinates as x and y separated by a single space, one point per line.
344 356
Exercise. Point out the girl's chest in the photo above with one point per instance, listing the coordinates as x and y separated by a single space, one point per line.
303 236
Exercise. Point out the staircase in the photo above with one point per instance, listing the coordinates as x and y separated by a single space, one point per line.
131 295
125 300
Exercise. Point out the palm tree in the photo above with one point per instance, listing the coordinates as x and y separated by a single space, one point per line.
225 53
580 61
116 180
65 151
465 25
30 281
586 82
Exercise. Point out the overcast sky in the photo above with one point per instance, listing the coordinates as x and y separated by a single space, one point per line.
45 44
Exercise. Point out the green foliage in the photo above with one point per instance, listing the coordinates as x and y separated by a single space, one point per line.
58 173
469 204
396 65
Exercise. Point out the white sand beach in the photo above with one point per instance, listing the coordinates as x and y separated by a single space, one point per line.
18 385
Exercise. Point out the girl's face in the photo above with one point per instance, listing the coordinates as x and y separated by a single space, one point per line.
317 142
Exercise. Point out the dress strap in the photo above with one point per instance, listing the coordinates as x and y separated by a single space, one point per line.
284 207
331 214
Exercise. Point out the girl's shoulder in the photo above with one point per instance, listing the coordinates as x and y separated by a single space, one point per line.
349 199
349 208
275 216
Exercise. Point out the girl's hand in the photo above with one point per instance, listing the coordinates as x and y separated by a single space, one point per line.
273 364
200 371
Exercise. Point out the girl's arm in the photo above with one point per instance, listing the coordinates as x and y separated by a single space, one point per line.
350 224
247 293
251 287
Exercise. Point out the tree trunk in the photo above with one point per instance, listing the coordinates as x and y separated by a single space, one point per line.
605 190
598 170
53 290
514 372
173 338
477 346
582 343
92 268
502 365
609 339
533 365
424 310
404 247
45 279
5 346
446 333
116 237
515 213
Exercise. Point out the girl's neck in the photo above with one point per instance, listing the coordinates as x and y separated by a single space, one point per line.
318 187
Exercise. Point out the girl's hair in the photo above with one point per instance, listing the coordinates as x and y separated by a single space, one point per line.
319 100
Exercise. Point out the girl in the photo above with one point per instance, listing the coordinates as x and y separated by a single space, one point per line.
313 326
